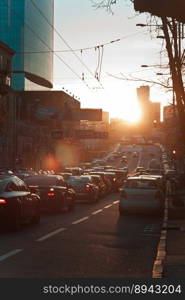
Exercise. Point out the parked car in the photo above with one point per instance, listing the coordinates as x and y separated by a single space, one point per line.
84 187
141 195
54 192
17 203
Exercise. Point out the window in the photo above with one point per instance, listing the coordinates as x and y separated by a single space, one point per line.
22 186
11 187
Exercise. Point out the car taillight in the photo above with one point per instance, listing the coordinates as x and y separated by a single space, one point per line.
88 187
3 201
51 192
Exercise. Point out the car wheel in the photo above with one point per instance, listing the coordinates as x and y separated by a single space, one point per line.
15 223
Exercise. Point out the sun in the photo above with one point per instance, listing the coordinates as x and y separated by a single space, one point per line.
131 113
123 104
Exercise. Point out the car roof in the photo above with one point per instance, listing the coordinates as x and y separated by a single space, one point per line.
141 177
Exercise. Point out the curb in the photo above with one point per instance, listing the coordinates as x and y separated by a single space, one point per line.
157 270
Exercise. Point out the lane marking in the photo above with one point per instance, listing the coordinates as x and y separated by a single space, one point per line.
97 211
107 206
9 254
115 202
80 220
50 234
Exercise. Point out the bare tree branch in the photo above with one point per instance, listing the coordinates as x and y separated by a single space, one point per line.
132 78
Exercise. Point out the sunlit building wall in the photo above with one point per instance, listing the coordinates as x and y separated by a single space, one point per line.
28 29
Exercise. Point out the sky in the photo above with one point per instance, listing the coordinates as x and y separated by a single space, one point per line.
81 26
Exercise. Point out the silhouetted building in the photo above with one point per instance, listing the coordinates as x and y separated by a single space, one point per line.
150 110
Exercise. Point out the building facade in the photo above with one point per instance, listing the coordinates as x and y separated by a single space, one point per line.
41 129
151 111
27 27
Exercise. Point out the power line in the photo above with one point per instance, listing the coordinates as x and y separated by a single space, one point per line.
27 25
88 48
65 42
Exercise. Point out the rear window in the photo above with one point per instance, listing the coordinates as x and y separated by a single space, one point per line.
141 184
43 181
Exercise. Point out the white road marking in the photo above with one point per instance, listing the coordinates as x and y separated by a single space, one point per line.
9 254
50 234
97 211
80 220
115 202
107 206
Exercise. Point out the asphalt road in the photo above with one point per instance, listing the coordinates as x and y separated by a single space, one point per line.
93 241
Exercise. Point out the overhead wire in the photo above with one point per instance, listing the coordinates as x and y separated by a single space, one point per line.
65 42
28 26
89 48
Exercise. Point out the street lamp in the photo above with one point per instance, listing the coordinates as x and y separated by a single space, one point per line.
149 25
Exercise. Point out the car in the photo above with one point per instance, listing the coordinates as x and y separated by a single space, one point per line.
54 192
74 170
142 195
124 159
85 188
105 179
139 169
18 204
64 175
135 155
155 171
99 181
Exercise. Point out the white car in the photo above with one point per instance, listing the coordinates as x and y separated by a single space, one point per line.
141 194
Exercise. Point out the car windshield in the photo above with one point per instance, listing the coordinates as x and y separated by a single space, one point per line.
141 184
38 180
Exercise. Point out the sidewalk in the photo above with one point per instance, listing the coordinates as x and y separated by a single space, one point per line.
174 262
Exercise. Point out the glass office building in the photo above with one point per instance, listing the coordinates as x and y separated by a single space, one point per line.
26 26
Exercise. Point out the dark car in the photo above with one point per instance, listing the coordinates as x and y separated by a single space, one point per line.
104 178
84 187
54 192
113 180
17 203
121 175
102 186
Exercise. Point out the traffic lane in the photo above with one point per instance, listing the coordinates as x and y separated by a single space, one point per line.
103 245
49 223
150 152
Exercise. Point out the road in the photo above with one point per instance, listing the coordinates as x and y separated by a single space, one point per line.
92 241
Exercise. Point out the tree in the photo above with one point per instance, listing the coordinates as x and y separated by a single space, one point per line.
171 15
